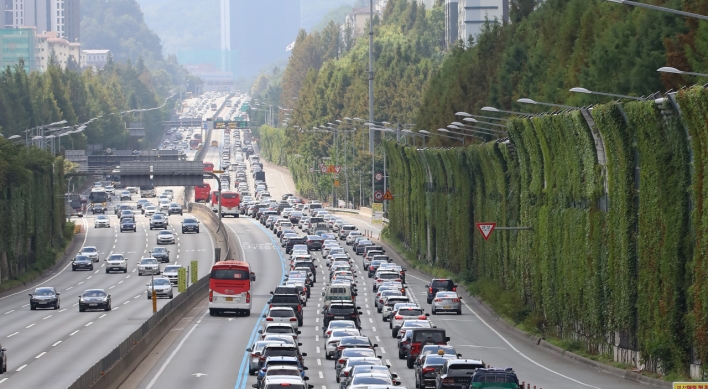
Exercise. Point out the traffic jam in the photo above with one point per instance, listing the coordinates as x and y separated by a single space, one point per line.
344 296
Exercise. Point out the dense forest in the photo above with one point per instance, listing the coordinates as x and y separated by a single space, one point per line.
614 195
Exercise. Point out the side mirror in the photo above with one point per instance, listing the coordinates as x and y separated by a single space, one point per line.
416 363
147 284
299 344
447 338
270 301
299 332
249 350
427 286
459 355
323 293
305 368
264 315
396 383
304 354
260 331
358 307
58 293
305 378
254 386
375 345
271 292
30 294
393 375
427 314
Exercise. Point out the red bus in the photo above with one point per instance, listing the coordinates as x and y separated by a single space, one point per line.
215 201
230 287
230 202
208 166
194 143
201 193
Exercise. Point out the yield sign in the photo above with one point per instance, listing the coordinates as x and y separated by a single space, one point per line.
387 195
337 169
486 229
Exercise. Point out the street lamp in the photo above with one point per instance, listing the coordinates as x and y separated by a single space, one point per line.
473 120
530 101
667 69
467 115
492 109
589 92
464 128
656 8
444 136
458 133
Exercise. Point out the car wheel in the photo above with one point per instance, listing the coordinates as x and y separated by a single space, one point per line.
459 311
197 230
73 268
108 307
183 230
400 354
91 267
140 274
125 270
107 271
212 312
135 230
433 311
299 323
148 296
417 383
393 334
82 309
172 295
33 307
429 300
57 306
409 363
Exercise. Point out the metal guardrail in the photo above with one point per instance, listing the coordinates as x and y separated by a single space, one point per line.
344 210
98 370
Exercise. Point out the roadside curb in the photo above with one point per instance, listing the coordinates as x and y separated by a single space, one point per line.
477 302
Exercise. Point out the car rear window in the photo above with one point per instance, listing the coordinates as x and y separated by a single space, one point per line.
284 386
281 313
340 310
435 360
229 274
429 336
279 330
438 284
285 298
464 366
410 312
280 352
337 290
356 353
285 290
389 276
355 342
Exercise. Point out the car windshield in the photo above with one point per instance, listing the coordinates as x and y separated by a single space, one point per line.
115 257
89 250
165 233
101 217
161 281
171 269
159 249
44 292
371 381
149 261
190 220
94 293
82 258
128 220
439 284
282 372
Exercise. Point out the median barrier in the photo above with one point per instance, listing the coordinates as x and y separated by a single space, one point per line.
212 221
342 210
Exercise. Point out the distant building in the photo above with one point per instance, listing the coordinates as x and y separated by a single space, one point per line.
61 16
94 58
16 44
214 78
472 14
261 31
49 44
451 20
356 21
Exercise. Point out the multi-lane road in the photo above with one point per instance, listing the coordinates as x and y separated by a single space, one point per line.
210 351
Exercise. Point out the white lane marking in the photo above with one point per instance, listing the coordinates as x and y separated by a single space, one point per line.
128 276
120 282
40 355
126 302
317 338
30 326
85 221
74 333
21 367
55 344
522 354
111 287
80 283
3 380
321 375
9 311
318 350
388 362
88 324
319 362
47 317
71 287
25 305
134 270
75 304
377 338
371 320
169 359
13 334
102 316
373 328
383 350
62 310
97 270
115 308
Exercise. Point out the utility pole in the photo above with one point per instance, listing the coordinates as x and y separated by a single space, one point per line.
371 94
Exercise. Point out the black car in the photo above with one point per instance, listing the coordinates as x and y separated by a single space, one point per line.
288 300
161 254
94 299
3 360
98 208
341 311
427 368
353 342
44 297
190 224
439 285
81 262
314 242
294 241
280 350
457 373
128 224
158 221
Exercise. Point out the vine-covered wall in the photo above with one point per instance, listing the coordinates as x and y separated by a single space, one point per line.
32 204
613 247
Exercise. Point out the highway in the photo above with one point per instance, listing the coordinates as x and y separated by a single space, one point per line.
209 351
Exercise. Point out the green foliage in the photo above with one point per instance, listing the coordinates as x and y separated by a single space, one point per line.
32 203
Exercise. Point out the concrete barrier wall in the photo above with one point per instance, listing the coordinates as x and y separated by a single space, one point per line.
208 218
364 211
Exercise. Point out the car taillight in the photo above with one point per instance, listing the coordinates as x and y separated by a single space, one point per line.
438 300
422 317
430 290
455 300
341 361
299 308
403 290
379 280
255 355
293 319
346 373
329 332
269 319
398 317
270 305
381 300
428 370
454 289
211 296
340 348
261 358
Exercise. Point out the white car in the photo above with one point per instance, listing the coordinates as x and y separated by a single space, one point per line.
125 195
165 237
150 210
164 205
332 342
171 272
283 315
110 190
162 286
405 311
351 237
91 252
102 221
148 266
116 262
167 195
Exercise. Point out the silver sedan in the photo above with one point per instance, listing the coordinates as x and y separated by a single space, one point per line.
446 302
165 237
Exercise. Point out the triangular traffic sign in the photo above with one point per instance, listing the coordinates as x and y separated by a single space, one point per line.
337 169
330 169
486 229
387 195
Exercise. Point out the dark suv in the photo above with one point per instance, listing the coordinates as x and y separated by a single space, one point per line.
294 241
288 300
158 221
314 242
457 373
280 350
421 337
341 311
439 285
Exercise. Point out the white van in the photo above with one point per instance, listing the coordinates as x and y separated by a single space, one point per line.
337 292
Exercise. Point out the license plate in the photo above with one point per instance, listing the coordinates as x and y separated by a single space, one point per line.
447 307
92 305
339 317
42 302
229 299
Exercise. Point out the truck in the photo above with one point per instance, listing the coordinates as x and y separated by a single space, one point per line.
259 176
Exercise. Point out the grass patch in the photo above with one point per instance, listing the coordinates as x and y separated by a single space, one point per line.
43 263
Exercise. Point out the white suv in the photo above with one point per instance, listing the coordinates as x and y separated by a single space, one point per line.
116 262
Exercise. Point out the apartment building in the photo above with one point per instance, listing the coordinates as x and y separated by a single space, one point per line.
49 43
472 14
61 16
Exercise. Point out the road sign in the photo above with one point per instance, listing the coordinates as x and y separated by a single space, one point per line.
323 168
690 385
387 195
312 170
378 195
337 169
378 176
486 229
217 171
194 269
336 183
181 280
